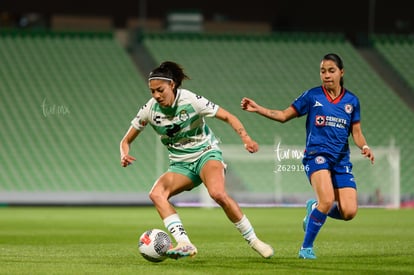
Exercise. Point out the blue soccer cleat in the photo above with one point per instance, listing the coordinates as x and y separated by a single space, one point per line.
307 253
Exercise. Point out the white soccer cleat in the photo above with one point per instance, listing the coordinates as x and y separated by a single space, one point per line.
182 250
265 250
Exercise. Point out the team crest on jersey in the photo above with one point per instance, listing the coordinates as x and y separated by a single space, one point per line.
348 108
320 160
183 116
320 120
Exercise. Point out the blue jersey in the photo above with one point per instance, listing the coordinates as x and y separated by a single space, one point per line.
329 122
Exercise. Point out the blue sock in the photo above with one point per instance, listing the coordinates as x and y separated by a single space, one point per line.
335 213
316 220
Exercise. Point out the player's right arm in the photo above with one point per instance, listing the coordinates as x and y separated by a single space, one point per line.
250 105
126 141
138 124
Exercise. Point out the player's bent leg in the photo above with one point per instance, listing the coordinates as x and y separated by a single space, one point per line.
168 185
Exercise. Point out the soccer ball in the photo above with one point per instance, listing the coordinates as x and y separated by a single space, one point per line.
153 245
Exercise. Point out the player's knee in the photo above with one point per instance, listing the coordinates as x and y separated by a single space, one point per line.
219 197
156 195
153 196
325 205
349 214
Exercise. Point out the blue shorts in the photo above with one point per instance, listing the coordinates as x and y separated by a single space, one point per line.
192 169
341 171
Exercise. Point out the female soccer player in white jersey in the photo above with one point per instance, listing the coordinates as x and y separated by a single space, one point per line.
177 115
333 113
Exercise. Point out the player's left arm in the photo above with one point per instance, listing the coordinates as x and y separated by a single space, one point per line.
236 124
360 141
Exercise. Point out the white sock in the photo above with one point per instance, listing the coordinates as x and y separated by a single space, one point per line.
175 227
246 229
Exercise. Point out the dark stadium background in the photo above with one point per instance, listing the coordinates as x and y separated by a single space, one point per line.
354 17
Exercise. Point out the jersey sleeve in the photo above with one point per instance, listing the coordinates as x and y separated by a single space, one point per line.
356 114
141 119
204 107
301 104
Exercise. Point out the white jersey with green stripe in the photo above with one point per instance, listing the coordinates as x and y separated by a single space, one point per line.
181 127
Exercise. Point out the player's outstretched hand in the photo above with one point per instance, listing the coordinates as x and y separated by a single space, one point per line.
127 160
249 105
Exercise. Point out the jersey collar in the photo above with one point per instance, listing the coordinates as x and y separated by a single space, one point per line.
337 99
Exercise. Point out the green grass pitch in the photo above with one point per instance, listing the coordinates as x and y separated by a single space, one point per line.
103 240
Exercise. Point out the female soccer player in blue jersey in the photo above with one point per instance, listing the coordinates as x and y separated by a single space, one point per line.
333 113
177 115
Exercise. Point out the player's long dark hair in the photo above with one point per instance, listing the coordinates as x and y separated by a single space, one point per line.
171 70
338 61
